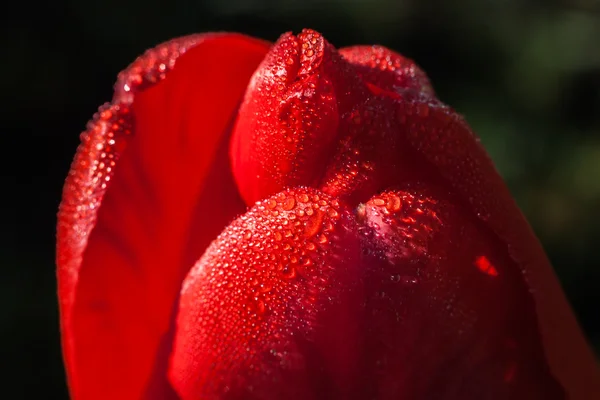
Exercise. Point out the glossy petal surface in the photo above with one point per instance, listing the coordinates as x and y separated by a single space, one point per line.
427 139
287 127
387 70
448 315
385 257
448 144
392 130
252 308
124 239
302 299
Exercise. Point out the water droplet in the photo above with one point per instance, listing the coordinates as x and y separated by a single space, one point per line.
332 212
265 289
260 307
288 272
393 203
289 203
313 223
408 280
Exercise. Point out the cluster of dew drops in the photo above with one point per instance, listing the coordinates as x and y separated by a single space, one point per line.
104 140
276 260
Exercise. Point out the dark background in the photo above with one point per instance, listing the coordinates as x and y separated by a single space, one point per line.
526 74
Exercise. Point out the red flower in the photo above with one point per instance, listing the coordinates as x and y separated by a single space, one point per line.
384 258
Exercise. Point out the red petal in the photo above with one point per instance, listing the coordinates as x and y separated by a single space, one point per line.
448 314
254 304
288 121
434 142
398 131
302 299
123 252
447 143
387 70
373 153
394 139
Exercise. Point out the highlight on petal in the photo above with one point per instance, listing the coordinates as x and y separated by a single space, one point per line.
136 192
485 266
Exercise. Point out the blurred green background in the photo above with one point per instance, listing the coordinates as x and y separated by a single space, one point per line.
525 73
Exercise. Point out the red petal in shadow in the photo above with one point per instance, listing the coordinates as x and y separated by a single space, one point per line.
125 227
373 154
446 142
437 326
402 134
